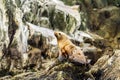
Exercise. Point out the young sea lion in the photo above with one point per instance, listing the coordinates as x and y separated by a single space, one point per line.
34 58
68 50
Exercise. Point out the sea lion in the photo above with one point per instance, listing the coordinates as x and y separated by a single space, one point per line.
34 58
68 50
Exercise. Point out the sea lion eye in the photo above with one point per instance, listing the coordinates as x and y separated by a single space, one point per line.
59 33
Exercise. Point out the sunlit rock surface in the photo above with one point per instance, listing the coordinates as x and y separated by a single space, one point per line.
51 14
68 19
3 25
107 67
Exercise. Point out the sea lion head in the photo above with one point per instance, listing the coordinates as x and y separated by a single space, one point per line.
60 35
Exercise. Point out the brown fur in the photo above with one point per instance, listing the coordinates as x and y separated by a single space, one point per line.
68 50
34 40
34 56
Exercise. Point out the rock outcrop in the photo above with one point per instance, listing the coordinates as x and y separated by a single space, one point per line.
27 37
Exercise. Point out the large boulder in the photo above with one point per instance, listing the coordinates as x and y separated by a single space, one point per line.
105 22
107 67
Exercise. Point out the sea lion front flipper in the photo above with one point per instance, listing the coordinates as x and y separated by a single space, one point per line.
62 56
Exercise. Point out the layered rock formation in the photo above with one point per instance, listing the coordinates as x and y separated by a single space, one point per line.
26 25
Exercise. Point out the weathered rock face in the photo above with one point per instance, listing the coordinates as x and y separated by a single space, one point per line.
98 3
106 24
17 29
43 38
52 14
107 67
68 19
64 71
112 66
26 25
48 14
3 25
60 72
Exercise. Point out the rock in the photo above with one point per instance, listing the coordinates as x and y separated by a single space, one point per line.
106 65
103 21
96 69
44 21
37 12
3 26
71 19
100 3
5 78
47 33
68 2
44 39
92 53
25 23
80 36
64 71
60 75
24 76
111 71
57 15
115 3
109 20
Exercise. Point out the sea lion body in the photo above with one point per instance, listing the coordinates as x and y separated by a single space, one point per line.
34 58
68 50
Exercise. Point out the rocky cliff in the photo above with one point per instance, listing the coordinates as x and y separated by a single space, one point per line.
28 46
